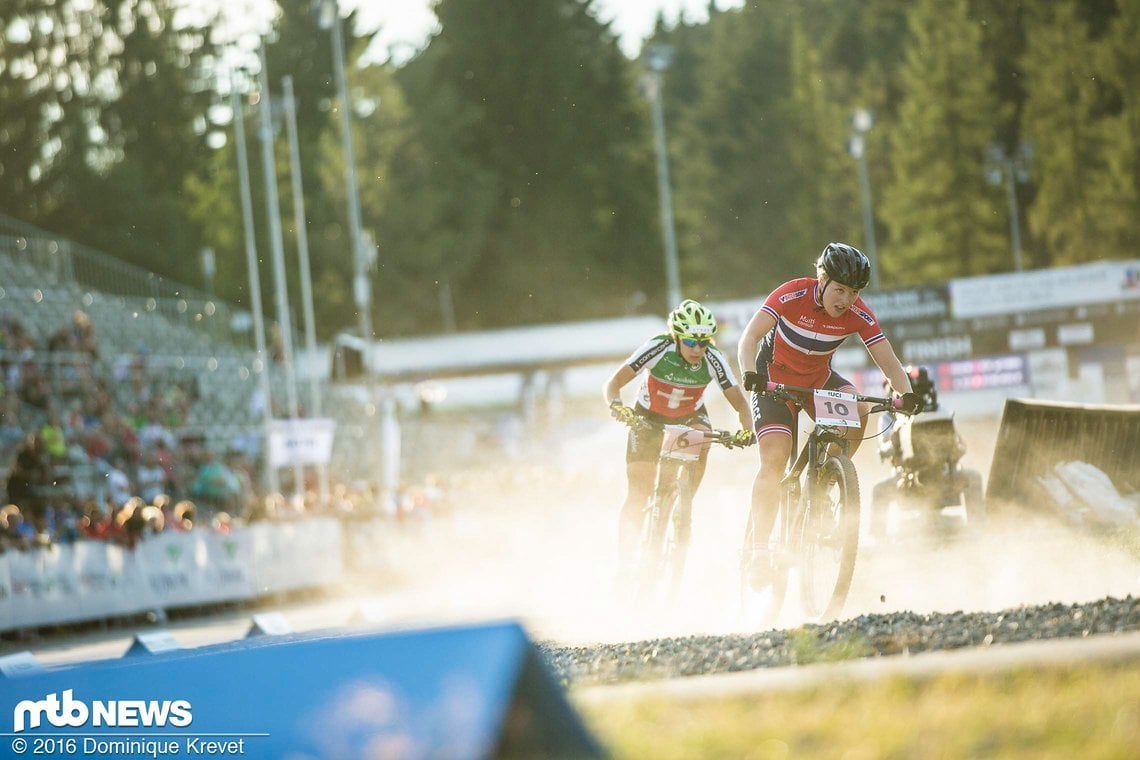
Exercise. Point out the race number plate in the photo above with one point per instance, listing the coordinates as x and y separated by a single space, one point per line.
836 409
682 442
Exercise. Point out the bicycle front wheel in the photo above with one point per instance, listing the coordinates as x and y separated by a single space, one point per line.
664 550
762 590
830 539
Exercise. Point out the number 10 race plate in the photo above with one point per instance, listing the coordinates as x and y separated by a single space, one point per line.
836 409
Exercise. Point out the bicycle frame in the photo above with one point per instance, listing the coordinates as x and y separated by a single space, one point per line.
663 554
794 508
810 529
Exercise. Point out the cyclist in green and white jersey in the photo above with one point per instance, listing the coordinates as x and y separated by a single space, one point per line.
679 367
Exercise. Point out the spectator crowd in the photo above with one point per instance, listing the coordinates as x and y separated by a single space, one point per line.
96 447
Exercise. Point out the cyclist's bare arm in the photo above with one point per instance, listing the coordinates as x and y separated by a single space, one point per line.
735 397
618 380
884 356
760 325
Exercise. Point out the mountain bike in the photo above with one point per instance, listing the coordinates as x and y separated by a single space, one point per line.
663 544
816 534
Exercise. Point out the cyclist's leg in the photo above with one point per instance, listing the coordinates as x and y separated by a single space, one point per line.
854 436
773 423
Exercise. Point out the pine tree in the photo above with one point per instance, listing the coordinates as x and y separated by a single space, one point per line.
738 174
943 219
48 107
1120 61
1076 212
560 139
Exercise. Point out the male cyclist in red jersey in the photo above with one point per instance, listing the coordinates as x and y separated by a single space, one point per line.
791 340
681 364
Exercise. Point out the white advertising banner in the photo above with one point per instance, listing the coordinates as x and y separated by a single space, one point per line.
44 584
110 582
1019 292
90 580
229 567
174 567
305 441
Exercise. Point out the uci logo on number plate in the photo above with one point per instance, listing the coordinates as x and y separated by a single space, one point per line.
836 408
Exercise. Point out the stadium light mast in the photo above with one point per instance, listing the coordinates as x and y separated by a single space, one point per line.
329 20
861 122
284 322
303 264
658 57
1013 170
261 365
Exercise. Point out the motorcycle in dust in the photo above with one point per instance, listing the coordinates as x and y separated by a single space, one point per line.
927 478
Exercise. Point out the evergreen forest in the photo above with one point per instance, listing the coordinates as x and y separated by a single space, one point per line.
507 171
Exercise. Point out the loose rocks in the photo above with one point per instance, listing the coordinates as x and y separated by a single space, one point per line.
864 636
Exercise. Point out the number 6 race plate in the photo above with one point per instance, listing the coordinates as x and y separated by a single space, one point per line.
836 409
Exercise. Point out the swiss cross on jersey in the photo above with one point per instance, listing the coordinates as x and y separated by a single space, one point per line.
673 387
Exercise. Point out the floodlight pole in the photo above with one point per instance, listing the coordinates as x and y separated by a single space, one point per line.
261 363
659 57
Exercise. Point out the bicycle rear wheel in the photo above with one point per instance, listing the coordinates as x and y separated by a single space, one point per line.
829 539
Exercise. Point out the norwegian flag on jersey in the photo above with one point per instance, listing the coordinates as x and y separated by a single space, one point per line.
806 336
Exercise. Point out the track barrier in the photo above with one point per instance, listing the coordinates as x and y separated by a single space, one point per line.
154 642
460 692
19 664
91 580
268 624
1036 436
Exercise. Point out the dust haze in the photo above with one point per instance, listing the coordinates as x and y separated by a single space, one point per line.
533 537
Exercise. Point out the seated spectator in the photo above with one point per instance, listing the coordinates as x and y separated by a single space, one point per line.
169 464
222 523
11 430
241 468
123 439
52 436
154 520
150 478
84 333
66 530
184 516
215 485
15 531
153 431
118 484
36 388
28 476
97 524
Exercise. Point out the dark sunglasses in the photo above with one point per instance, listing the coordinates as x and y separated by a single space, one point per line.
694 342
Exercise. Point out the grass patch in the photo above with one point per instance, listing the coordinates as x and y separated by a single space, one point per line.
1088 712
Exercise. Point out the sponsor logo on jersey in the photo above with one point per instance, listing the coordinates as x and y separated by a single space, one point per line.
865 316
793 295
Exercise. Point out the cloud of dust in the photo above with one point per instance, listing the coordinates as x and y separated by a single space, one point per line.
534 537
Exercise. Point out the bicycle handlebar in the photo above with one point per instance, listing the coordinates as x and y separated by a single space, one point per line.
723 437
795 394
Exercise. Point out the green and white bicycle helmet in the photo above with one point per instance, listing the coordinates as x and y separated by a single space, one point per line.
691 320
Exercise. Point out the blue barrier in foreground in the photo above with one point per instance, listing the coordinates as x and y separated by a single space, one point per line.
461 692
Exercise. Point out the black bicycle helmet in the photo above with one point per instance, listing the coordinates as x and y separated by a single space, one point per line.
845 264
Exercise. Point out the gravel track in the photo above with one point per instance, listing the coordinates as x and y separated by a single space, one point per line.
863 636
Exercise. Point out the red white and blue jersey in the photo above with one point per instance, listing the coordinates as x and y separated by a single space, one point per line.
805 335
674 388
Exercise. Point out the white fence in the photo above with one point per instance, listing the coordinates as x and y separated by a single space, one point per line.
90 580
